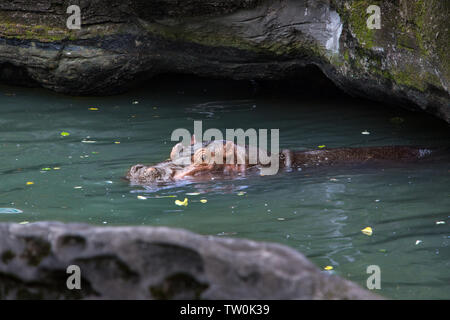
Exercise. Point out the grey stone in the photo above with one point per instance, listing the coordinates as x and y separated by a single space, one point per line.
156 263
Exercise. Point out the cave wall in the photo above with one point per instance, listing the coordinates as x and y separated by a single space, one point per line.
406 62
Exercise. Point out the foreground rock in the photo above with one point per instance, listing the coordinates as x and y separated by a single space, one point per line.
155 263
406 62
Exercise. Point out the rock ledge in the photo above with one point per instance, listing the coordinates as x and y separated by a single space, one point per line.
156 263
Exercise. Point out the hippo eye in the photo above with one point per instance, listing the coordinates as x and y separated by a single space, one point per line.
137 167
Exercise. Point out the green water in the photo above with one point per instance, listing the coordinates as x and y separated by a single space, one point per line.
319 213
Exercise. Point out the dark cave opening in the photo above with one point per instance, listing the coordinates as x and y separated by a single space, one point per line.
16 76
307 81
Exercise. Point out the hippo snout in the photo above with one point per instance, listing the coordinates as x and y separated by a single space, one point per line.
134 170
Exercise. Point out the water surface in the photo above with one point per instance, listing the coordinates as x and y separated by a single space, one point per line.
319 213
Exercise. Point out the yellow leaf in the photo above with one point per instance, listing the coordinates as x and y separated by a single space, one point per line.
328 268
65 134
322 146
203 201
29 183
367 231
397 120
182 203
93 109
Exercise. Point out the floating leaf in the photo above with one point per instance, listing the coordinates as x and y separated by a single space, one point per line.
117 142
182 203
65 134
281 219
397 120
241 193
367 231
24 222
321 146
78 187
193 193
142 198
29 183
203 201
328 268
418 242
46 169
365 132
93 109
135 102
56 168
440 222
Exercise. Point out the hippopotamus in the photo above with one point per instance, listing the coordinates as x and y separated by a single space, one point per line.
224 158
193 161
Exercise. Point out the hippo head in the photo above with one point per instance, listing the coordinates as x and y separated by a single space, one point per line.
144 174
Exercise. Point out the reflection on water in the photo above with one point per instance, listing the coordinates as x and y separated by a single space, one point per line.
319 213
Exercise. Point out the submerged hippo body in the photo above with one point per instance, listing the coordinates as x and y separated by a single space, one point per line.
191 163
335 156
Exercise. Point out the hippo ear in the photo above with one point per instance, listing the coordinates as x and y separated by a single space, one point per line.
175 153
193 140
